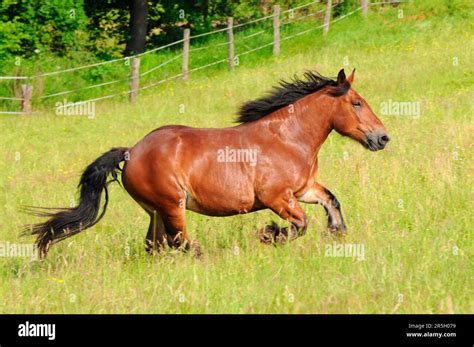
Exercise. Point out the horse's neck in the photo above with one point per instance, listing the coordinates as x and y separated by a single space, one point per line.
307 123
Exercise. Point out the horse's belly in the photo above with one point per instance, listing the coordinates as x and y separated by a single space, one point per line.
222 203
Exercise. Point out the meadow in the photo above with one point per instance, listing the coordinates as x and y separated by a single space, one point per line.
409 206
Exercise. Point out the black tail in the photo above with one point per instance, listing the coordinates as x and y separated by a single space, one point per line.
65 222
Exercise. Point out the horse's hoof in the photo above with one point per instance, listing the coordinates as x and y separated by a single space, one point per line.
273 235
268 234
337 229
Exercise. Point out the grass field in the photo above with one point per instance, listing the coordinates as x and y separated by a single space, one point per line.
409 206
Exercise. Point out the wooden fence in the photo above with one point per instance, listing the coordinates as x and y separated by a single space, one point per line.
134 78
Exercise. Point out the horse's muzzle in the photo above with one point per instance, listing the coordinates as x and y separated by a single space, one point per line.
376 140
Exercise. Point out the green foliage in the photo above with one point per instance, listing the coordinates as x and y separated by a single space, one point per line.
108 41
33 27
462 8
345 7
51 42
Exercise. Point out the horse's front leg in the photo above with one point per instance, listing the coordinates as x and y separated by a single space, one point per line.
318 194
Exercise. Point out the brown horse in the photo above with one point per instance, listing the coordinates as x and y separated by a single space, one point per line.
268 161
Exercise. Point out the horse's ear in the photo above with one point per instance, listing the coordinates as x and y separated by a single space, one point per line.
341 77
350 79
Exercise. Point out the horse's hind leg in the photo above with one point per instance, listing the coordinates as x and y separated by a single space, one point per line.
156 237
288 209
176 231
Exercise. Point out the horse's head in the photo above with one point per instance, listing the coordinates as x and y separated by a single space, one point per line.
353 116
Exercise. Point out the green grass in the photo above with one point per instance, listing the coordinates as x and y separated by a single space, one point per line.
409 205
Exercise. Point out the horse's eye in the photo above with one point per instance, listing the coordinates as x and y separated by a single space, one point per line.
357 104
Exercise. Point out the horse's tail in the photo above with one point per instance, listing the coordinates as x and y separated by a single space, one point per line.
65 222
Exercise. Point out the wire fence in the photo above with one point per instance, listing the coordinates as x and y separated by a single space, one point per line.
230 59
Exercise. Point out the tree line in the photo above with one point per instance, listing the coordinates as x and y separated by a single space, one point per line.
106 29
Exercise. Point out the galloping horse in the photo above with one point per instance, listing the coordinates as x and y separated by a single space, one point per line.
268 161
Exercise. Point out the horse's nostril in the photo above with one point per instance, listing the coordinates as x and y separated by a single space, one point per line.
385 138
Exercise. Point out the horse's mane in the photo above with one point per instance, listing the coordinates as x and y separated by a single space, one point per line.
286 93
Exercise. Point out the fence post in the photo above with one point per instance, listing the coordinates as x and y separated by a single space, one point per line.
363 3
26 93
230 41
187 34
134 81
276 29
327 17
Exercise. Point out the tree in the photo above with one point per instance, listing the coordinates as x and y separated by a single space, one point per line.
138 26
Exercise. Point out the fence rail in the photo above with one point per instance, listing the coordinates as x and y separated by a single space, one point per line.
134 78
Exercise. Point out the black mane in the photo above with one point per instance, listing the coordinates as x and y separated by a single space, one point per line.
287 93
